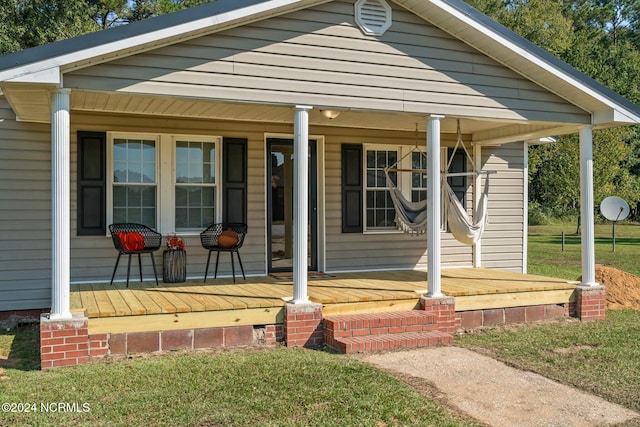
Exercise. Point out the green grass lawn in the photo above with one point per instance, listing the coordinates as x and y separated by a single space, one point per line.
291 387
274 387
546 256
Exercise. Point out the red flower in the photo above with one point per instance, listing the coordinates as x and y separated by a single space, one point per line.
175 243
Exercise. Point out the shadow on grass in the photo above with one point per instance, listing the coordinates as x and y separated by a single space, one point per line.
20 347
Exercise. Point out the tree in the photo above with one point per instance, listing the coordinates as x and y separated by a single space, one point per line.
599 38
143 9
539 21
28 23
109 13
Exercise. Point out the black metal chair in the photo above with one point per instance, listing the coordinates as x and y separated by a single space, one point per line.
144 241
210 239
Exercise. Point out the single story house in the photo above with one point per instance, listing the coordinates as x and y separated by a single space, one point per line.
281 114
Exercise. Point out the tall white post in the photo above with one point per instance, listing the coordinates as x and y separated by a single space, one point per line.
301 203
586 207
525 214
477 193
60 196
433 205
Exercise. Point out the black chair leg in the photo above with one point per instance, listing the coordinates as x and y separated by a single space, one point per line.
128 270
233 268
140 265
241 268
116 267
207 269
215 276
153 262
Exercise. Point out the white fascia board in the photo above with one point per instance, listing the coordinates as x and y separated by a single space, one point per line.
612 116
95 54
535 60
47 76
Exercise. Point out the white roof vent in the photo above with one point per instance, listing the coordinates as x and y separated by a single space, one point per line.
373 16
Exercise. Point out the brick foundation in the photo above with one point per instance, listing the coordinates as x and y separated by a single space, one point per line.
303 325
67 342
591 303
498 316
189 339
64 342
273 334
23 314
444 310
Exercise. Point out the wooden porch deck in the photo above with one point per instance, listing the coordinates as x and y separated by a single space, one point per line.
260 300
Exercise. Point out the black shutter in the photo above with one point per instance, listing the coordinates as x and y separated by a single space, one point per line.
458 183
92 184
352 190
234 180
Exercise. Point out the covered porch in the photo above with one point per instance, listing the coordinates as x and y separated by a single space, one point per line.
115 309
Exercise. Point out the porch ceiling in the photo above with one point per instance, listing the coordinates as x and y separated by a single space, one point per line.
31 103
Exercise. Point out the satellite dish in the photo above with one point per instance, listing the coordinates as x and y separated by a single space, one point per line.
614 208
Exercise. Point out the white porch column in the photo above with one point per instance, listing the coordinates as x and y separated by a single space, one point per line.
586 207
433 205
477 193
60 195
301 203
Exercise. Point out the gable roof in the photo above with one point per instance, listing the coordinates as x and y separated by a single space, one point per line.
45 65
39 62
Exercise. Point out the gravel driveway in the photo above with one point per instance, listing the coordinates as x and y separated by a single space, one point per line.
496 394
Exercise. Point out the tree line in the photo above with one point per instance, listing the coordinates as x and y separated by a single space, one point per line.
600 38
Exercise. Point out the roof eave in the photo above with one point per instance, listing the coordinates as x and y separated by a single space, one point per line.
474 28
94 48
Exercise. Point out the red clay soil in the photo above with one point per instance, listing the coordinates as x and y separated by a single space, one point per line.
622 288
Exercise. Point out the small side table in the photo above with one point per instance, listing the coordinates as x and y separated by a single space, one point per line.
174 266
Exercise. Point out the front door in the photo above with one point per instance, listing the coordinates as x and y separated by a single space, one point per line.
280 205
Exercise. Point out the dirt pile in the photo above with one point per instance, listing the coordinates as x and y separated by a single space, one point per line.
622 288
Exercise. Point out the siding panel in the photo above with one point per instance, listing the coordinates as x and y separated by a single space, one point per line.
25 213
319 55
502 243
25 223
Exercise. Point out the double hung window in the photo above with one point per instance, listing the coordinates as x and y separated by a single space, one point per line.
134 180
379 212
195 184
166 182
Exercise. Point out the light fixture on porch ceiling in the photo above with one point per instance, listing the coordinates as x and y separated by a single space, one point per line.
330 114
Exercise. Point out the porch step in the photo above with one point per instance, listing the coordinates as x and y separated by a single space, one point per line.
406 340
383 331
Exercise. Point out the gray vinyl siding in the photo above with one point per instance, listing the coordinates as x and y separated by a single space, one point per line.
93 258
25 213
318 56
502 243
371 250
25 208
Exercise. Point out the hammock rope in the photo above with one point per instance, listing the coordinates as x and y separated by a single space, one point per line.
464 229
411 217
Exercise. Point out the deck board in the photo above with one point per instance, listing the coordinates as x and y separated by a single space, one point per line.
159 299
141 295
184 295
476 286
